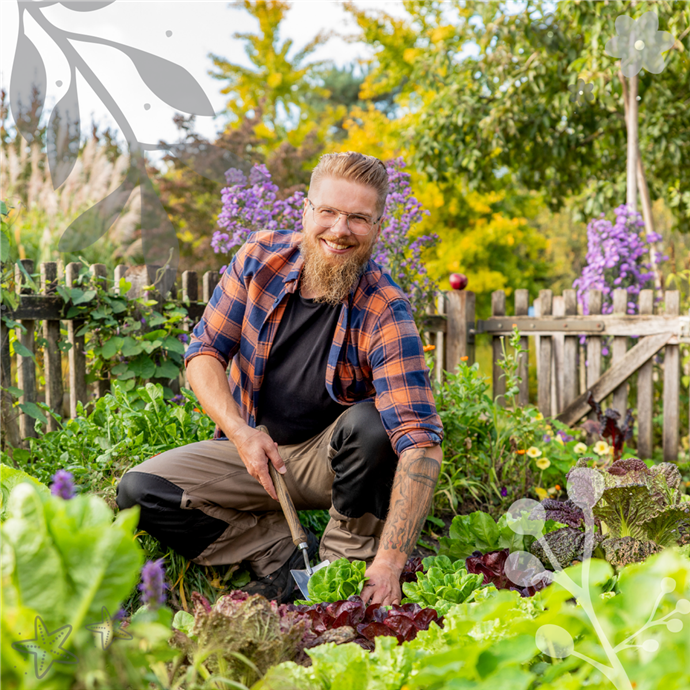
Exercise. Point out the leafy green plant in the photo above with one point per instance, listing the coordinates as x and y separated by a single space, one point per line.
485 466
480 532
443 584
63 561
336 582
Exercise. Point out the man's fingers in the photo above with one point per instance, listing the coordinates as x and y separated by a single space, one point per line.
276 460
265 480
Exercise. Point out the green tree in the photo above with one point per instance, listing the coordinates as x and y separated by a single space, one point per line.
509 110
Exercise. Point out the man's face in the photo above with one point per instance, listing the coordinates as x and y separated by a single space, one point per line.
334 257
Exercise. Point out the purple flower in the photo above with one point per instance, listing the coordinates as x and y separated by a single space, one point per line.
565 437
63 485
183 338
143 320
177 399
504 492
119 615
546 438
152 585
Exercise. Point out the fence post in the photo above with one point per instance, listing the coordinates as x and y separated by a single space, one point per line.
557 343
594 301
618 350
26 366
498 308
120 271
77 359
570 353
645 389
210 280
544 375
522 309
440 339
459 306
190 293
100 275
671 384
52 357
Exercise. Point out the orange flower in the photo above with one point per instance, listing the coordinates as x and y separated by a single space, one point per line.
464 359
196 409
429 348
558 487
514 325
521 452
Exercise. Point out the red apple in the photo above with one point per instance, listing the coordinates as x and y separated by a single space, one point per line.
458 281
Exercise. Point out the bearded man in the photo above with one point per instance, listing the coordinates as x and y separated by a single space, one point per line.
325 354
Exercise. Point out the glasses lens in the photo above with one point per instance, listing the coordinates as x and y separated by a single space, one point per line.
325 217
359 225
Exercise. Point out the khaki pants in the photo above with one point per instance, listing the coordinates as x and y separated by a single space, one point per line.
200 500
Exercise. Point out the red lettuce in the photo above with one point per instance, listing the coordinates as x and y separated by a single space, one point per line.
402 622
492 566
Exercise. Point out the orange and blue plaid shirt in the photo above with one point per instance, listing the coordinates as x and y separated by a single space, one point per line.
376 354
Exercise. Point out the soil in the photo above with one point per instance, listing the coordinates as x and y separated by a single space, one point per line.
432 536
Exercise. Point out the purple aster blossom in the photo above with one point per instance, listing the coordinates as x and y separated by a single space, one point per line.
504 492
177 399
618 256
546 438
183 338
63 485
565 437
152 585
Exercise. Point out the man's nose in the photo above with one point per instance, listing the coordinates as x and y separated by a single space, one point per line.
341 224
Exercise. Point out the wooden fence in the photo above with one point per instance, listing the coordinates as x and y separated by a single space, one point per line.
566 371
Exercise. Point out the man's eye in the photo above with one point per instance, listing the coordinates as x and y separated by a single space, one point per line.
359 219
327 212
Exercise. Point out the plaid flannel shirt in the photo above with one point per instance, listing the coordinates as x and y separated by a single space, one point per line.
376 354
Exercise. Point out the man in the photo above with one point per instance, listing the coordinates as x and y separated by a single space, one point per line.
326 355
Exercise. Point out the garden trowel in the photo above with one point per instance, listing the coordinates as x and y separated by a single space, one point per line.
299 536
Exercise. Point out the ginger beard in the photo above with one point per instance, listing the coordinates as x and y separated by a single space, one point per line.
330 276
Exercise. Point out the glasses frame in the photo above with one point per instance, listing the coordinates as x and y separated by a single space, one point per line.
337 220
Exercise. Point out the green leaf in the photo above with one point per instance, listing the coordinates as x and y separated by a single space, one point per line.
118 306
172 344
167 370
9 478
143 367
3 208
85 297
16 392
154 335
23 351
131 348
4 247
112 346
34 411
183 621
485 530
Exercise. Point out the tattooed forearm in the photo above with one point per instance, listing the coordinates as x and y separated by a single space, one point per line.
411 496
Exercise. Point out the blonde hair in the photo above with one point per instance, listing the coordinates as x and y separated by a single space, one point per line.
356 167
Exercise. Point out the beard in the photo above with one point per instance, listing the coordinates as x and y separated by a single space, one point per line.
331 277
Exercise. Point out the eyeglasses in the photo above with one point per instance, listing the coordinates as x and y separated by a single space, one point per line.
327 217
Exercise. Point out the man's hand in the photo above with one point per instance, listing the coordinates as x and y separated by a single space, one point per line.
256 449
383 586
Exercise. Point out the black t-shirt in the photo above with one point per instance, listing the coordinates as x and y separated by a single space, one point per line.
293 402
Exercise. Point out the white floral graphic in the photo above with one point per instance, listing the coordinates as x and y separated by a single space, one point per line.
581 93
639 44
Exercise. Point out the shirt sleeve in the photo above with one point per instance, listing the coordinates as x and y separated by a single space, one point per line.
404 397
219 330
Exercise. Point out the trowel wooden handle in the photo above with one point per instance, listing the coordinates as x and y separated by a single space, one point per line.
296 530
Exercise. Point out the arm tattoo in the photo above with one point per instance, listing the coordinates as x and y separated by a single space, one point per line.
411 496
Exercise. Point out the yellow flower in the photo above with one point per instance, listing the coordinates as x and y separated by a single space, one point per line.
559 439
542 493
580 448
533 452
601 448
539 416
543 463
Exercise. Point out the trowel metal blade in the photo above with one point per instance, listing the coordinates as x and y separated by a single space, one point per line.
302 577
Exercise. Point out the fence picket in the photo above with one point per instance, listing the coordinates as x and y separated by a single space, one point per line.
671 384
26 366
557 344
571 388
210 280
498 308
458 343
52 357
544 360
522 309
618 350
645 389
77 359
100 275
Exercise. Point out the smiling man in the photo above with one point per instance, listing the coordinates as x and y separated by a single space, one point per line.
325 354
